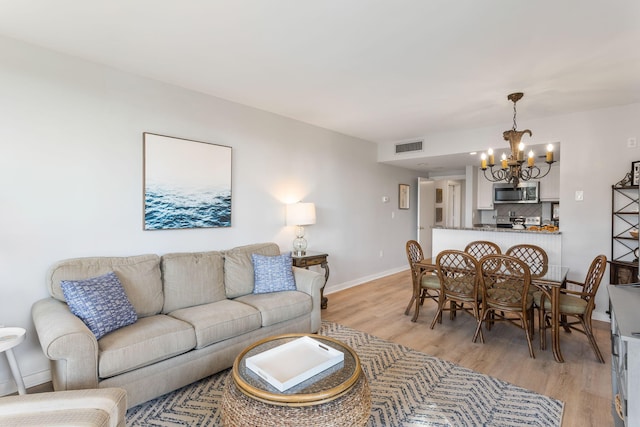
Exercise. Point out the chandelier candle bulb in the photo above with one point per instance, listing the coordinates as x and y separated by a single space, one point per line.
530 160
504 161
521 152
483 161
491 158
549 153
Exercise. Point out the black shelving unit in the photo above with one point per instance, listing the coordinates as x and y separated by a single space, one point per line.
624 218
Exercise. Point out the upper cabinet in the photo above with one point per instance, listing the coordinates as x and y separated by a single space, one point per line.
484 198
550 184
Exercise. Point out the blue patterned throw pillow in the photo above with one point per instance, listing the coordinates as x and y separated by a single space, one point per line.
100 302
272 273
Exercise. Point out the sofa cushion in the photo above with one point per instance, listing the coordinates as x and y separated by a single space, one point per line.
100 302
192 279
238 267
149 340
272 273
219 320
279 306
140 277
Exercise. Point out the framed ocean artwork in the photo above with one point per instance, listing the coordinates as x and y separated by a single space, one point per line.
187 184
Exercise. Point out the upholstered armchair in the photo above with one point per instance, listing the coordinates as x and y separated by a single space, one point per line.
105 407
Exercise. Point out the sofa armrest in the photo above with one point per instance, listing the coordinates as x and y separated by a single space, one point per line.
310 282
59 408
68 343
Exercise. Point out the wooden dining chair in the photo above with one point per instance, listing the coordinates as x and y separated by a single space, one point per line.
458 273
504 283
534 256
426 285
480 248
575 303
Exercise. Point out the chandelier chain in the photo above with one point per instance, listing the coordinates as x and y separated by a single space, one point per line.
515 126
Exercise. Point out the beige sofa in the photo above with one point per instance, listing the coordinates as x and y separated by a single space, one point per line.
196 312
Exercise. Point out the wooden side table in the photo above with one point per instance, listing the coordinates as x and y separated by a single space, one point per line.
310 258
9 338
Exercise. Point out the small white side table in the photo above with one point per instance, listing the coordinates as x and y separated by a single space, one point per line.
9 338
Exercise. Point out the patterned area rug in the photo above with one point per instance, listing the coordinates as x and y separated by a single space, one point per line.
408 388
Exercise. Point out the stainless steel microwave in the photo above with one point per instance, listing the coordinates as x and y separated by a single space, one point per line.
525 192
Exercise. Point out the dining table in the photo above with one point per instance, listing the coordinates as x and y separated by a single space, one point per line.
549 284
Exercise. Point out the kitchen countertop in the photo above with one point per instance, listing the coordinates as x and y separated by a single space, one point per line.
501 230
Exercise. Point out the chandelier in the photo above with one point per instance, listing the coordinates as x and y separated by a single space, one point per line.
512 169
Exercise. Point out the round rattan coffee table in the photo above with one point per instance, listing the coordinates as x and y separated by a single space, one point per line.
338 396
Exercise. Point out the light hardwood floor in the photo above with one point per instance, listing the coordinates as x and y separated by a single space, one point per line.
582 383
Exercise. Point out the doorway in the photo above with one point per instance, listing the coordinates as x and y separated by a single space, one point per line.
454 204
426 213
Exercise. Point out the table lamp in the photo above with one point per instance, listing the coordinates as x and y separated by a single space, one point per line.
300 214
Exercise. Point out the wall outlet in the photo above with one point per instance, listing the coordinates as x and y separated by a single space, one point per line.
632 143
381 253
579 196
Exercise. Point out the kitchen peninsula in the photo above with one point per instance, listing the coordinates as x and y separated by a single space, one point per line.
457 238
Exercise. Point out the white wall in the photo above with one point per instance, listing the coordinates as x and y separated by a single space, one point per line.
594 157
71 173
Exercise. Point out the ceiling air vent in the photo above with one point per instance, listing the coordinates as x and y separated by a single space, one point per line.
407 147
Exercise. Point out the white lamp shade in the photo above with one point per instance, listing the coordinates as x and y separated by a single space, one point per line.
301 214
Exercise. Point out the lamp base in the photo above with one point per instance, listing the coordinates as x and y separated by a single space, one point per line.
299 246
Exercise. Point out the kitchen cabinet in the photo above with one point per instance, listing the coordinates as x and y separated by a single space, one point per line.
550 184
625 354
484 197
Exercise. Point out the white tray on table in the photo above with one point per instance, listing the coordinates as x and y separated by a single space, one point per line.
294 362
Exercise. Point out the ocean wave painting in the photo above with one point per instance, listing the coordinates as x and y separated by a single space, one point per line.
169 209
187 184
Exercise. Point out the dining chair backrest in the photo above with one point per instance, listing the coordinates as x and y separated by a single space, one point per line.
458 272
534 256
505 281
414 255
414 252
594 277
480 248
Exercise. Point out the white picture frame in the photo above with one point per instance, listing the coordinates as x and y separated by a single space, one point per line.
186 183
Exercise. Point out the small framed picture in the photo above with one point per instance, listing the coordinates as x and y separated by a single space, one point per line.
635 172
403 196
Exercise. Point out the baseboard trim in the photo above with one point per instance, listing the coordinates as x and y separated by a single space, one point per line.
603 317
362 280
9 386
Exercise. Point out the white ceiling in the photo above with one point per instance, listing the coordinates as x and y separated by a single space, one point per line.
375 69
